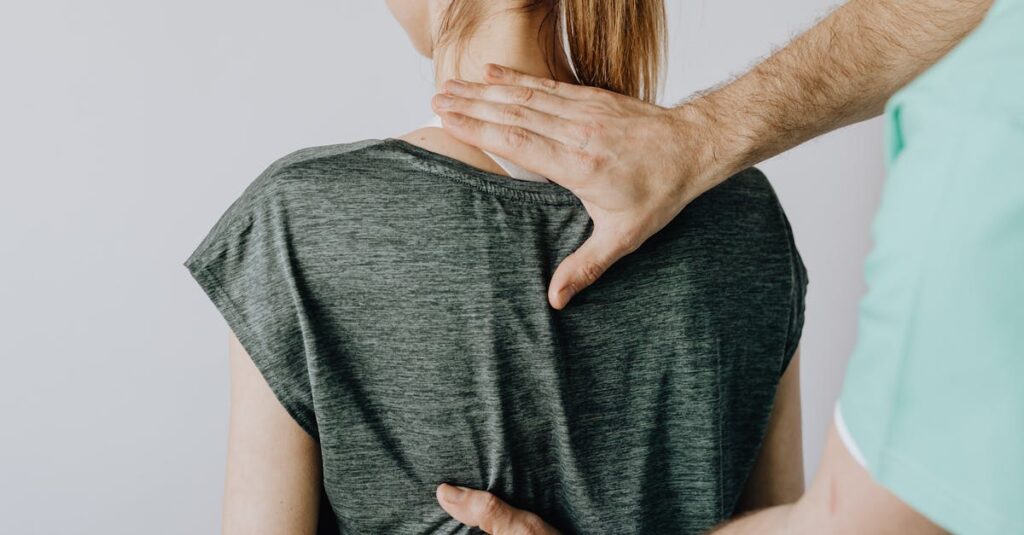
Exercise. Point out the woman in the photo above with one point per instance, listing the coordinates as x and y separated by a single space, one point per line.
392 332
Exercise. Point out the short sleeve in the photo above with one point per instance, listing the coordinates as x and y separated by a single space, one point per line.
932 394
798 295
245 267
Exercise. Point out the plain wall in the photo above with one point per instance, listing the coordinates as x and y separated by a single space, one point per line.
126 129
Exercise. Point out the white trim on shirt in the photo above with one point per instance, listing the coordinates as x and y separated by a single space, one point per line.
847 439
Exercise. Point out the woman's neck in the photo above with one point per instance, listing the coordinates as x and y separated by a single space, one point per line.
523 41
527 42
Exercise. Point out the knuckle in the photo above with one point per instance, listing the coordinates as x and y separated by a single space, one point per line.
522 95
573 286
585 161
590 272
490 507
549 84
581 158
529 524
512 114
515 137
588 131
628 242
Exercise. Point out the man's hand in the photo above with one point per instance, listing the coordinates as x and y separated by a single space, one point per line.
843 499
477 508
634 165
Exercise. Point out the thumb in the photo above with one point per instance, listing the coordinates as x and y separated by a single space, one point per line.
583 267
477 508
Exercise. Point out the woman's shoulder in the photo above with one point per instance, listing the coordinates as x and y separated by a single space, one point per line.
337 164
302 175
742 214
746 198
332 158
750 184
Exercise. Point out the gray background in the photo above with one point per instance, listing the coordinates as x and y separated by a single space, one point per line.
126 129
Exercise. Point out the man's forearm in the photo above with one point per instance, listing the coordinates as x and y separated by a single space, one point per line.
839 72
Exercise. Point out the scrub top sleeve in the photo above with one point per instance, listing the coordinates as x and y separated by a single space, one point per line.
245 267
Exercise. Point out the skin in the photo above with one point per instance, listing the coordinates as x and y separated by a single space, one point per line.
635 165
777 477
778 474
511 38
273 476
611 151
274 469
842 500
273 480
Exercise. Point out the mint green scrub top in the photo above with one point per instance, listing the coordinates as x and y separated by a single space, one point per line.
933 401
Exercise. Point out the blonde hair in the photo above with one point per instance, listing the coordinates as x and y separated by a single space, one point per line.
618 45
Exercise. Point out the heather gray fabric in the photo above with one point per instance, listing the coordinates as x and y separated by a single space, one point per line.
394 299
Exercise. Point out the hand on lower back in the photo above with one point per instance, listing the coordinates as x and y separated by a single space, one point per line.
478 508
634 165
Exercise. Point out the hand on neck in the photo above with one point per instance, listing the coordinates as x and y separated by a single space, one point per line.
529 42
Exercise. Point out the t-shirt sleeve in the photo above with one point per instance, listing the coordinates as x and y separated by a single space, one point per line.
798 295
244 265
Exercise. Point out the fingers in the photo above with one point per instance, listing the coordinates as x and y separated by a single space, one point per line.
496 74
476 508
529 149
584 266
508 94
540 124
519 115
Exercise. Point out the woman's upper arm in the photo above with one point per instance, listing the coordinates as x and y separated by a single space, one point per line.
273 468
778 475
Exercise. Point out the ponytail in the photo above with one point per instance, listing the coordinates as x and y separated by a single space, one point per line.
618 45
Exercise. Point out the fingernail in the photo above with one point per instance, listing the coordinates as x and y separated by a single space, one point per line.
455 87
452 119
451 493
443 101
495 71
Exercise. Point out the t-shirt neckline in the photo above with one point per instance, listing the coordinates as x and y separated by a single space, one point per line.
545 192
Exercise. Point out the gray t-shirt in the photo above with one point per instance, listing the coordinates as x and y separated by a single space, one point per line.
395 301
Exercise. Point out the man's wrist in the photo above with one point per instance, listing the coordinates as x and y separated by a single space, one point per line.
715 144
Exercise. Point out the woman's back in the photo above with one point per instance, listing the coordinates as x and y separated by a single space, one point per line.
395 301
